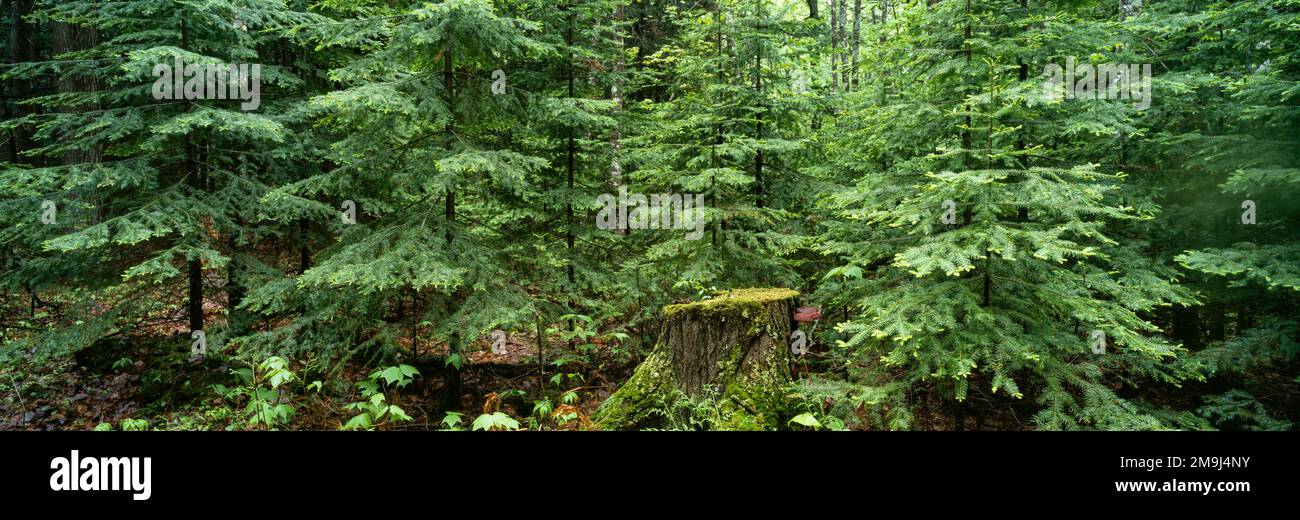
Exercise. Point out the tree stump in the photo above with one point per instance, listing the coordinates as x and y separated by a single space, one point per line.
729 353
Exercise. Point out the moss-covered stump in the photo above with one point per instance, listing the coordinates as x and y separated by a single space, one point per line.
729 352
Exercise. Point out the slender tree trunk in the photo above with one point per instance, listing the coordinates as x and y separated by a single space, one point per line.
758 155
857 41
196 181
568 204
843 31
7 152
835 46
959 418
713 151
22 48
1187 326
448 88
1217 322
616 135
67 38
235 291
452 397
1023 76
965 133
884 18
195 264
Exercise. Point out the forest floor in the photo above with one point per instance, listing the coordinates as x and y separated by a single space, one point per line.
139 378
124 381
136 379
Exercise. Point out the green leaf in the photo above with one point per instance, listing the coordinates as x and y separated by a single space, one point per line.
494 422
360 422
807 419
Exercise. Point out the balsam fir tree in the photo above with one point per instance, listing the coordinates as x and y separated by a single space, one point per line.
156 203
721 130
429 184
571 115
972 267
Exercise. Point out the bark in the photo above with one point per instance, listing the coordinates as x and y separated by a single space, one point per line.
451 400
841 32
1217 322
67 38
857 43
239 319
729 353
22 47
616 135
571 150
304 251
6 142
195 297
713 150
1187 327
965 132
758 155
835 46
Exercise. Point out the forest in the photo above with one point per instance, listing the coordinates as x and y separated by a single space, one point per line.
869 215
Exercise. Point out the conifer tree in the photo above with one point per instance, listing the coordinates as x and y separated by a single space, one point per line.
1222 144
424 160
123 231
972 268
722 131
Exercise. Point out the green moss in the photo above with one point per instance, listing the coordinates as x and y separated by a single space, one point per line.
752 399
729 302
633 403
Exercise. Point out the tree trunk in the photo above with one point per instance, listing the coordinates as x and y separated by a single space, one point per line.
758 154
22 48
835 46
238 320
451 399
841 32
857 43
730 353
195 299
616 134
569 161
68 38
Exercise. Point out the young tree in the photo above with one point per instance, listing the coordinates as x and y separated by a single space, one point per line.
122 230
972 267
723 131
424 160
